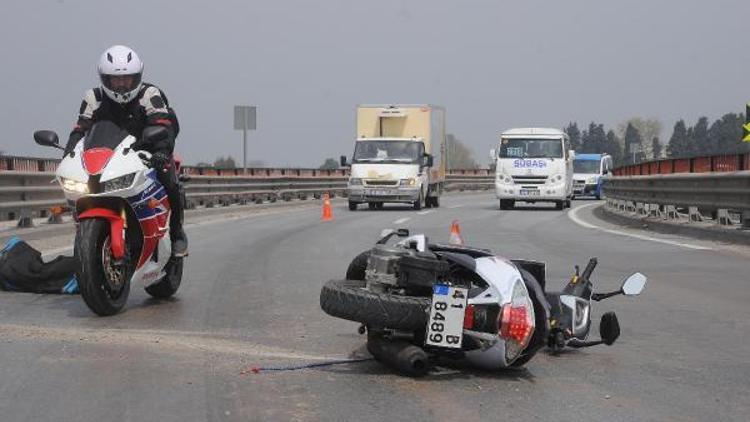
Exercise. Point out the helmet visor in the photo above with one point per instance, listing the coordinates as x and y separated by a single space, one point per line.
121 83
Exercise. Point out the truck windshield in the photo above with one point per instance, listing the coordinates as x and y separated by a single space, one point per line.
388 151
531 148
586 166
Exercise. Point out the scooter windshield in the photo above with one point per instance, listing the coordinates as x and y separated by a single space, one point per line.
104 134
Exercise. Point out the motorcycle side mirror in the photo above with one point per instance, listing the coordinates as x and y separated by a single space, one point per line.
155 134
609 328
634 285
47 138
386 234
428 160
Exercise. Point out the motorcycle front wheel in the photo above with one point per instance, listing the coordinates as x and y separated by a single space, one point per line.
104 283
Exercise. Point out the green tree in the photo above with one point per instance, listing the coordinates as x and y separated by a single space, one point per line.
574 134
648 128
225 163
678 142
594 139
459 156
613 147
726 135
656 148
633 145
329 164
700 142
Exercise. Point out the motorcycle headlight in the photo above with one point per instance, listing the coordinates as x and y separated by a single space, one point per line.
408 182
122 182
516 322
355 181
75 186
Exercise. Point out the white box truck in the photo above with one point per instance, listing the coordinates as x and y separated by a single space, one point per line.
533 165
399 156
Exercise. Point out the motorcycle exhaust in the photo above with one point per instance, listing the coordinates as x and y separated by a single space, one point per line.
403 356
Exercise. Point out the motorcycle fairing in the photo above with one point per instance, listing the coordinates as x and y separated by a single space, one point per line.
152 209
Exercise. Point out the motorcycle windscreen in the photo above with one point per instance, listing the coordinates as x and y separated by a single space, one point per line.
104 134
100 144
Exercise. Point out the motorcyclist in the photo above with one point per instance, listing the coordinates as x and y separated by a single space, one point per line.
134 105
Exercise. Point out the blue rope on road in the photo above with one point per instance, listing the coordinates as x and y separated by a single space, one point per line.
258 369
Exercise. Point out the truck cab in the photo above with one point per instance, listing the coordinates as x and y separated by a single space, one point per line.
533 165
398 156
589 171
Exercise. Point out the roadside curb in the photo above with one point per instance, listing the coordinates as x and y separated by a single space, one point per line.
714 233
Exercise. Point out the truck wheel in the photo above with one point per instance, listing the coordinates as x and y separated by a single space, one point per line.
372 206
352 206
418 203
350 300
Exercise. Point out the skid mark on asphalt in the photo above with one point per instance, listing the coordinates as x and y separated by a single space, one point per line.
171 342
573 215
402 220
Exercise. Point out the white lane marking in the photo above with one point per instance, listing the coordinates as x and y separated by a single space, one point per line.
455 206
425 212
573 215
402 220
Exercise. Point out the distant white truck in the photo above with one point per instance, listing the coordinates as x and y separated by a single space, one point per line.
398 156
533 165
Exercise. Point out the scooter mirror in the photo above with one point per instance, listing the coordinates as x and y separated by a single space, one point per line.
46 138
634 285
609 328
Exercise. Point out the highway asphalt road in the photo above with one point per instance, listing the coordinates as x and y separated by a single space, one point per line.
250 298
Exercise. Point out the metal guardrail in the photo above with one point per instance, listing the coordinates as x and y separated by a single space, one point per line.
709 164
723 197
28 187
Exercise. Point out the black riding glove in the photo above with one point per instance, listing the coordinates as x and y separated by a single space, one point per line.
160 161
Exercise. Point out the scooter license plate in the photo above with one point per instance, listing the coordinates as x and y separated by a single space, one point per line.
446 323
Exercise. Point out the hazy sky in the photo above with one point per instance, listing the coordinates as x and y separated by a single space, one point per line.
306 64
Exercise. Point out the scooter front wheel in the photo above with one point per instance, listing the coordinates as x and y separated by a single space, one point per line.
104 283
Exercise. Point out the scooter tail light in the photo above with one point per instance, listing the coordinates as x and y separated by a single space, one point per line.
516 322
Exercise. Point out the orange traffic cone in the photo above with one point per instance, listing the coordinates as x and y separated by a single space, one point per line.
327 212
456 238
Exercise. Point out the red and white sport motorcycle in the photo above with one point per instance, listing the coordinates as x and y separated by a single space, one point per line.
122 217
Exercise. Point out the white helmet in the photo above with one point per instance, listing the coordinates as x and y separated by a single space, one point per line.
120 71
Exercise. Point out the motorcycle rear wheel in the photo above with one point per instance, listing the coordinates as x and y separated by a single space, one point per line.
104 285
168 285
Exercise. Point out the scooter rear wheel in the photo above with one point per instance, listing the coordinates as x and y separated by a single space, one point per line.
104 284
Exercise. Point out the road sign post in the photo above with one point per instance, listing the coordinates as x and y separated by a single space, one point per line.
244 119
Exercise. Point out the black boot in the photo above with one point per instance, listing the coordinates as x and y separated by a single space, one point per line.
176 233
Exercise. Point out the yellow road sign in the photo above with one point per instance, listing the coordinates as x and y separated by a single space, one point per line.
746 126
